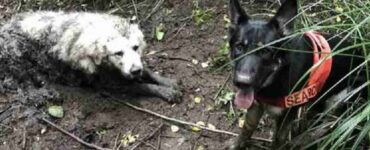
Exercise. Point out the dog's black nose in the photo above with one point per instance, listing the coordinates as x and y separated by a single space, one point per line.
136 71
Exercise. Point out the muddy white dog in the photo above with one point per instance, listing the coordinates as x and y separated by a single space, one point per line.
38 42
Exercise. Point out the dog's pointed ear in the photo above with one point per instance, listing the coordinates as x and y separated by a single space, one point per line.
237 13
284 19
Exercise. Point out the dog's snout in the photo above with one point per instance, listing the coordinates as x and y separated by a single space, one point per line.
246 79
247 71
136 71
243 80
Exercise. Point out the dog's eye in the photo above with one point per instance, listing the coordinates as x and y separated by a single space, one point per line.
120 53
239 46
135 48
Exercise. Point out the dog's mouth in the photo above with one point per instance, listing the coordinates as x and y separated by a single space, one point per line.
244 98
245 94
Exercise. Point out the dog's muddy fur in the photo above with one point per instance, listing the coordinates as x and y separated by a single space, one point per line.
29 72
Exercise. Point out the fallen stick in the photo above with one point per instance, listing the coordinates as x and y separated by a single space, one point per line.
73 136
176 120
116 142
24 142
147 137
222 87
155 9
183 122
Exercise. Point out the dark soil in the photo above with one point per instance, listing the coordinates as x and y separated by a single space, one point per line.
98 120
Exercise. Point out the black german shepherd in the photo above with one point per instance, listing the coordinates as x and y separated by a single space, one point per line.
272 72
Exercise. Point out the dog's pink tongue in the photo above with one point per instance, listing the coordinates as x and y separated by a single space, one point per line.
244 99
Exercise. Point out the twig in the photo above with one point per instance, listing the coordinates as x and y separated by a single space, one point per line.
24 142
261 139
260 146
73 136
173 58
173 119
222 87
154 10
119 146
116 141
149 145
5 126
177 32
181 121
134 4
147 137
159 142
6 113
5 109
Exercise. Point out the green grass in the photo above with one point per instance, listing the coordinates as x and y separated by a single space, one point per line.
202 15
349 20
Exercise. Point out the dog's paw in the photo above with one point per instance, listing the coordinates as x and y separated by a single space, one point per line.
173 83
171 95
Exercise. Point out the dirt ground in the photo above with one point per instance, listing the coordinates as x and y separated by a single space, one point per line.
98 120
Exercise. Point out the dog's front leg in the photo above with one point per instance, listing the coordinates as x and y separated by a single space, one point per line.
152 77
167 93
283 127
252 119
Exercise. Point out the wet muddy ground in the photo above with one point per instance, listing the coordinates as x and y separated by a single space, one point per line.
101 121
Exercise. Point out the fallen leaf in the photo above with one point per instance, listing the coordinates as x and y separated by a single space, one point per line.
124 142
128 139
174 128
227 21
195 62
56 111
201 123
160 35
164 54
338 19
151 53
205 64
200 147
43 130
339 9
159 32
312 15
197 99
132 139
211 126
210 107
241 122
197 129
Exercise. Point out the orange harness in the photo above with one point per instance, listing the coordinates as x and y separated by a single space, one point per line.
317 79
